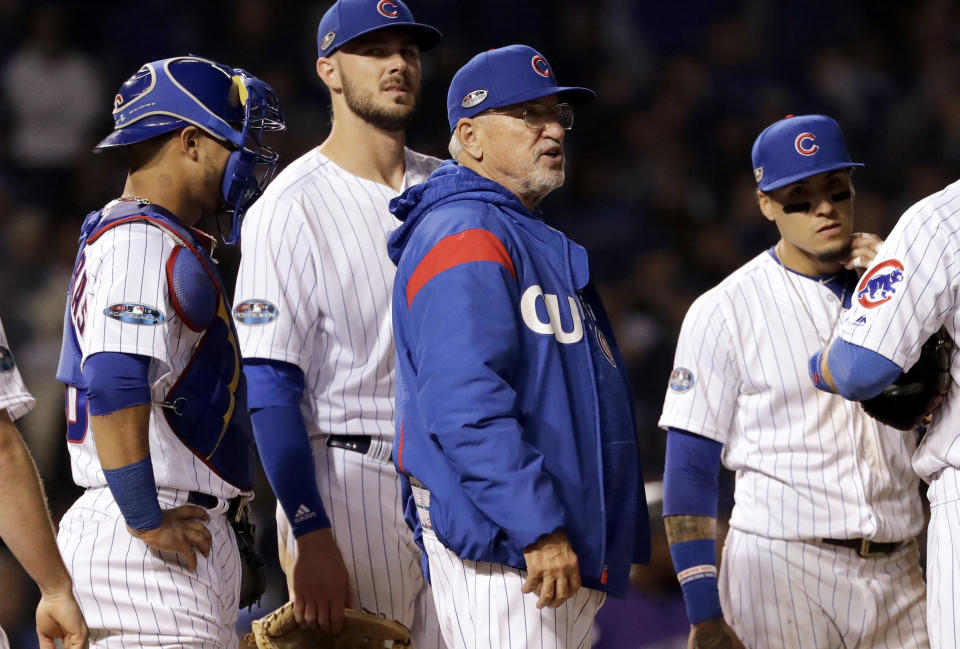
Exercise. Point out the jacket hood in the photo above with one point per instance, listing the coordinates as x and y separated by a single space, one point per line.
449 183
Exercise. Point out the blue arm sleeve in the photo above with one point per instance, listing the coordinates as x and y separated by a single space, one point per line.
859 373
274 389
116 381
690 477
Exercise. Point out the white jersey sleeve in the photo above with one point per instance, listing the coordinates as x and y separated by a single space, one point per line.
909 290
277 284
705 381
14 397
127 301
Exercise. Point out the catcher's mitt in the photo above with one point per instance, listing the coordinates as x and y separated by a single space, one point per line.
911 399
279 630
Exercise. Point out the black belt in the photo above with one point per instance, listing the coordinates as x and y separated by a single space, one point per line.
357 443
866 548
207 501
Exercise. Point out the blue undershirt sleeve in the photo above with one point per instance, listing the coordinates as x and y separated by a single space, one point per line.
859 373
690 477
116 381
274 390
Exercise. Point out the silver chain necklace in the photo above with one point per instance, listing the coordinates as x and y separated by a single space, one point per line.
803 303
131 197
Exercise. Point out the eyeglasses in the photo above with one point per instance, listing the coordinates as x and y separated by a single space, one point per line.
537 116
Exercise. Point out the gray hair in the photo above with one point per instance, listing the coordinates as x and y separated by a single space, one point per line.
455 147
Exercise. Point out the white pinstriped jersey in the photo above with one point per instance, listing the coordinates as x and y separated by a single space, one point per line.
127 265
909 291
319 267
809 464
14 397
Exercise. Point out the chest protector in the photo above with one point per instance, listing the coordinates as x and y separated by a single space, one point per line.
207 406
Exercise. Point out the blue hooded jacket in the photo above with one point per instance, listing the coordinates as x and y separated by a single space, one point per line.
513 406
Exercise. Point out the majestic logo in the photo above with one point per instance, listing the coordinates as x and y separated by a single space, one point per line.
681 379
553 325
6 360
804 144
327 40
388 9
879 285
540 66
474 98
138 314
861 320
255 312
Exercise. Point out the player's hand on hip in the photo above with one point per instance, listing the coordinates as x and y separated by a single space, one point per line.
58 616
864 249
713 634
183 531
321 587
553 571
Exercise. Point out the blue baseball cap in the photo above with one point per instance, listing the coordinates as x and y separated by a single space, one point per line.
347 19
504 77
797 147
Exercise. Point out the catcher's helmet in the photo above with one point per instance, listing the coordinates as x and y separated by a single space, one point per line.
228 103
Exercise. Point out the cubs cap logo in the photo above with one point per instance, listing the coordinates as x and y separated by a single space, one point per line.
540 66
804 144
327 40
255 312
681 379
137 314
388 9
879 285
474 98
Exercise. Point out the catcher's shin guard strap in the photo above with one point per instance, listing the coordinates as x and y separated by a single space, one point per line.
696 566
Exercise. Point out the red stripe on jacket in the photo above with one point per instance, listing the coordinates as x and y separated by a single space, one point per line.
456 249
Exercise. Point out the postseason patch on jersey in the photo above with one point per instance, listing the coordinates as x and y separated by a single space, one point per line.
255 312
681 379
138 314
880 284
6 360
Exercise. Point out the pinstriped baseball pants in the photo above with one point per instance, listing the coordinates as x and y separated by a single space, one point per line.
779 594
480 606
361 494
134 596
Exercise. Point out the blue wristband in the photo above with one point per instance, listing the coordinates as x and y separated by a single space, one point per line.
135 490
696 566
816 376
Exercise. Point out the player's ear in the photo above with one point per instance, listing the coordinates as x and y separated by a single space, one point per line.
766 205
189 140
468 132
329 73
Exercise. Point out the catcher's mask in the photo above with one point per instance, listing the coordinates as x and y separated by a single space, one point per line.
230 104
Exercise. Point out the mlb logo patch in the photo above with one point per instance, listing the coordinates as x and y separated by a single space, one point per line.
681 379
255 312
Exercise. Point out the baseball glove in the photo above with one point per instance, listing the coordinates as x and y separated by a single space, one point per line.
909 401
279 630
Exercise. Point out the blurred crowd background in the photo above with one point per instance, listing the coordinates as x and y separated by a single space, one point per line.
660 188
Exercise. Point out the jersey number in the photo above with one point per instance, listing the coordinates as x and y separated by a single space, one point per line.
76 407
78 300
